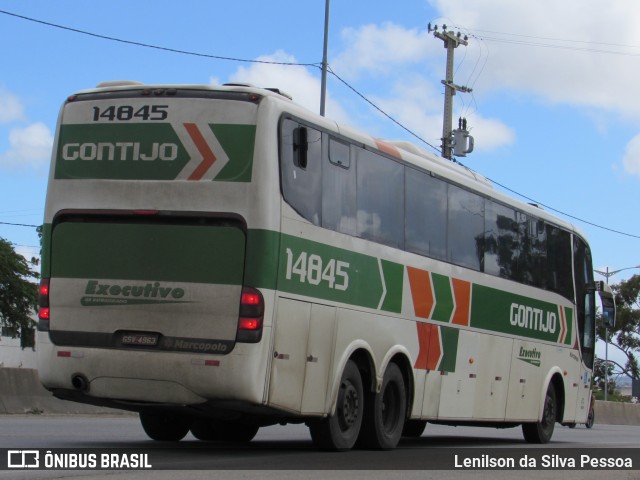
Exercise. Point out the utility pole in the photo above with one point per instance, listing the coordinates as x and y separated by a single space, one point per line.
323 86
462 142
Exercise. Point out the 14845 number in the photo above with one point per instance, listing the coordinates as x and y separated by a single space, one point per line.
310 268
128 112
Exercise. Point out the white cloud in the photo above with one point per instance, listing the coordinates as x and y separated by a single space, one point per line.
11 108
378 49
575 67
29 146
631 158
491 133
295 80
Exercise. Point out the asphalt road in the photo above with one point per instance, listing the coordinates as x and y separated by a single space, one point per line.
287 451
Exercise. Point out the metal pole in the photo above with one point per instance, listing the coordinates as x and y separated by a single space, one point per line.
606 353
323 87
451 42
449 92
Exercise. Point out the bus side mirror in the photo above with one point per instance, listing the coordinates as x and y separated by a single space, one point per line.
608 303
300 147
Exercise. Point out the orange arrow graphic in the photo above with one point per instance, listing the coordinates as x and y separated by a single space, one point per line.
208 158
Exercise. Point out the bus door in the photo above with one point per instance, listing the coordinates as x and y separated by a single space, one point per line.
586 316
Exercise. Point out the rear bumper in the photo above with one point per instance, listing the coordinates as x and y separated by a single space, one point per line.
129 377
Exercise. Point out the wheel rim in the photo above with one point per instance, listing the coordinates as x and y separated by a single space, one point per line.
348 406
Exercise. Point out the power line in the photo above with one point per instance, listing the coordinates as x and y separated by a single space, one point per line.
380 110
543 42
589 42
20 225
157 47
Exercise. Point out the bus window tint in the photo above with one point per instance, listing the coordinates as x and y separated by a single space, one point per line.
352 190
559 276
301 186
426 214
380 214
339 190
536 267
465 228
502 241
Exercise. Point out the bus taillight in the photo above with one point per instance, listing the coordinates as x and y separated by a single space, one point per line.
251 316
43 304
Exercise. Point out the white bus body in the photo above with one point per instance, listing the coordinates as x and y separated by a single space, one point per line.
220 259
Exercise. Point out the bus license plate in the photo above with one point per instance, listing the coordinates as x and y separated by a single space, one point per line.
141 339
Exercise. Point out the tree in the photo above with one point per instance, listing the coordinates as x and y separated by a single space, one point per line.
625 334
599 376
18 294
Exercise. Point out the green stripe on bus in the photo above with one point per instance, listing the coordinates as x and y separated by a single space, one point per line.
136 151
325 272
568 313
394 279
178 253
449 349
500 311
238 143
148 151
443 298
261 263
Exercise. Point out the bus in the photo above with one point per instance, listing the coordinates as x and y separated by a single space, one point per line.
220 259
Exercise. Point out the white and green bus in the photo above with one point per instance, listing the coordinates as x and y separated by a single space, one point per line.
220 259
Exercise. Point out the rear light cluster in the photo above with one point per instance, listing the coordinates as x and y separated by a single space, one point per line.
44 312
251 316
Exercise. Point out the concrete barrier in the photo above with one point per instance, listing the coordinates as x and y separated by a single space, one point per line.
617 413
22 392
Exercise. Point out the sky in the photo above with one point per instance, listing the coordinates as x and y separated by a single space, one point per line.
553 111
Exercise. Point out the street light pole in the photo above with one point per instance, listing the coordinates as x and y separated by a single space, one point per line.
606 274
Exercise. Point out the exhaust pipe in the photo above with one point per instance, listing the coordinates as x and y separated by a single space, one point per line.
80 382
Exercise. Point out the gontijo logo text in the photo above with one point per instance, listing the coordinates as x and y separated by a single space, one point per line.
122 151
532 318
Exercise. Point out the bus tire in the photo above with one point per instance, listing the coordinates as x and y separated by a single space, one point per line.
541 432
414 428
340 431
165 426
385 412
591 419
209 430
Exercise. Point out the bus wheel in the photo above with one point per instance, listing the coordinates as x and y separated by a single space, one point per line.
165 426
340 431
540 432
215 430
591 418
414 428
384 415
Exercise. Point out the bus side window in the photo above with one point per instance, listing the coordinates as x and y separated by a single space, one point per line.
339 189
301 169
380 198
